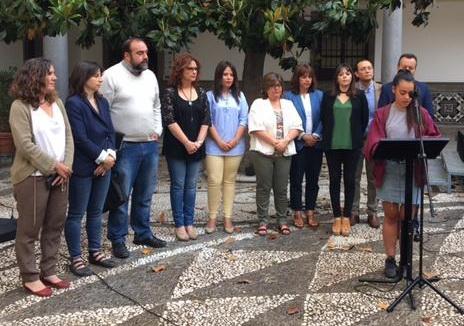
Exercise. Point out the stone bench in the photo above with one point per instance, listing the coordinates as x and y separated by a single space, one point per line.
453 164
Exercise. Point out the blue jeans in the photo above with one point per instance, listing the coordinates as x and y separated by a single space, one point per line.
137 168
183 191
86 195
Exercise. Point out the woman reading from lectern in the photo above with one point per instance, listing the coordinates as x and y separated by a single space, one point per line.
397 121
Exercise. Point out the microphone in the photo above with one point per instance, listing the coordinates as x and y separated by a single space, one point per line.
413 94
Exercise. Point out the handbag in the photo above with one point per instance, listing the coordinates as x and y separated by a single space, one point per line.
460 145
116 195
7 229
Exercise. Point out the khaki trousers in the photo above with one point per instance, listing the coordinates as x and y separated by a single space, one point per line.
42 213
222 171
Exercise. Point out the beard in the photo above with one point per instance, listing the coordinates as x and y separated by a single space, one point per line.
139 68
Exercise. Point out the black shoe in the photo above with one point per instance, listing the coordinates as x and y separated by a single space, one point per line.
415 225
98 258
391 269
79 268
120 250
152 242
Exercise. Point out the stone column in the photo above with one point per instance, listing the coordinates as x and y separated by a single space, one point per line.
56 49
392 43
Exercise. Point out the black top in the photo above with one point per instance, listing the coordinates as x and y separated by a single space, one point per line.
359 119
190 118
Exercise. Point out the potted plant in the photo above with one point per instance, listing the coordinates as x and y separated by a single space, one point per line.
6 141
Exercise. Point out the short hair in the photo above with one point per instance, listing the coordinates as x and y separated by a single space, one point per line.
29 82
81 73
218 73
270 80
336 87
181 62
407 56
359 61
126 46
302 70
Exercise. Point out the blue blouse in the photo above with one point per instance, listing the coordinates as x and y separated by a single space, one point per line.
227 116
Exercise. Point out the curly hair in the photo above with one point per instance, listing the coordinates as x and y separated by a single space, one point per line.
29 82
181 62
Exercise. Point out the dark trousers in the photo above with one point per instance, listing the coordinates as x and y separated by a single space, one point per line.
336 160
307 163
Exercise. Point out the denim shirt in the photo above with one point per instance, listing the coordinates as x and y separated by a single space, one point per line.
227 116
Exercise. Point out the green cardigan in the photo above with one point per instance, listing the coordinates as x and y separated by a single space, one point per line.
29 157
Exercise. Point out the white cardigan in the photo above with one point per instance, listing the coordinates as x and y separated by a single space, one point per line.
262 118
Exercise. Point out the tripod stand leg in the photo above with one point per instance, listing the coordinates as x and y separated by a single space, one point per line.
444 296
407 291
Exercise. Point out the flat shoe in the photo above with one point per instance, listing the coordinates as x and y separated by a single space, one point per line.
100 260
45 292
63 284
181 234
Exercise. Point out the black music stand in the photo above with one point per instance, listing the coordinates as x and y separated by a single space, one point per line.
409 150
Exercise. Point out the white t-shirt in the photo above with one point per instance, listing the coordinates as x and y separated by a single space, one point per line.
49 132
306 99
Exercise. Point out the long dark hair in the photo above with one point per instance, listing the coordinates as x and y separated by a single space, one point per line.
218 73
303 70
29 82
336 87
411 118
81 73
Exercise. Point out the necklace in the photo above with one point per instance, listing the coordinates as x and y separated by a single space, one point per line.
189 97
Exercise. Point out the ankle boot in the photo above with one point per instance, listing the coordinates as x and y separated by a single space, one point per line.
346 226
337 226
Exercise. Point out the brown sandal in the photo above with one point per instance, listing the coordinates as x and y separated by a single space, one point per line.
298 219
312 219
284 229
262 230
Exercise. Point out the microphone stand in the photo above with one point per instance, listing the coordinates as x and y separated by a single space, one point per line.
420 279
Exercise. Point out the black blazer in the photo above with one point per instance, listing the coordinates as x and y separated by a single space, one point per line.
92 132
359 119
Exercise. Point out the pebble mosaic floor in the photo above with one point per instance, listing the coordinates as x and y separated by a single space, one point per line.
307 278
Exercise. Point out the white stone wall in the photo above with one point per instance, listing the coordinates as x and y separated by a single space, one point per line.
439 46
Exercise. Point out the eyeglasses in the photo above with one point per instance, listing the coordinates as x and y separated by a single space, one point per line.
192 68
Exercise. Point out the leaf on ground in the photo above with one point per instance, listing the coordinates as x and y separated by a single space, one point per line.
159 268
383 305
431 275
293 310
331 245
147 251
366 249
346 247
272 236
229 240
237 229
162 217
232 257
200 208
427 319
244 281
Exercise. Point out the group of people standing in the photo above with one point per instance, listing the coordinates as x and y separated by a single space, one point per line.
70 153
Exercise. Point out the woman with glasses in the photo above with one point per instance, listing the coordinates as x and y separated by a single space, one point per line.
273 124
186 118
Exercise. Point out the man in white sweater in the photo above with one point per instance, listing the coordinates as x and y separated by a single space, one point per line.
133 93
